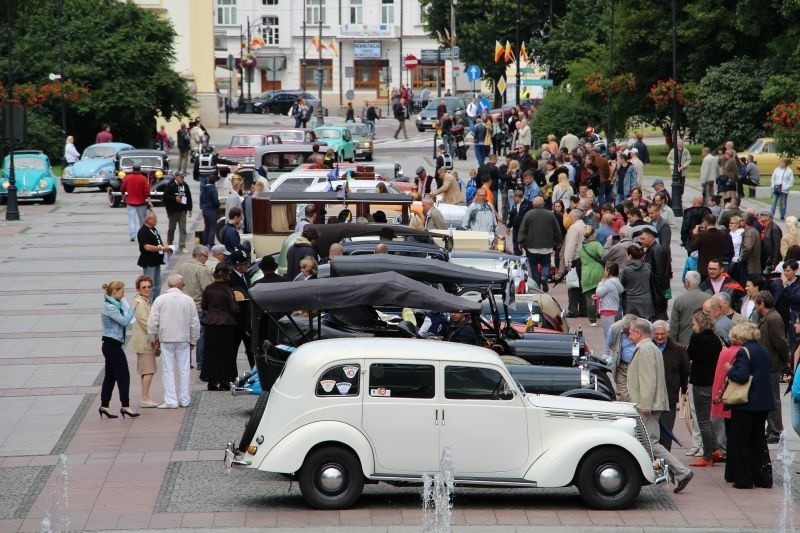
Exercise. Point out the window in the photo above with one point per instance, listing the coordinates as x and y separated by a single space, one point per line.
340 380
401 381
356 11
310 73
369 74
269 30
387 11
425 76
226 12
269 2
315 11
474 383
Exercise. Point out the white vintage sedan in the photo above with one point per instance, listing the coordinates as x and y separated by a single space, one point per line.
349 411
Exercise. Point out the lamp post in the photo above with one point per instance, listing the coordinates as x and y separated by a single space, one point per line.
610 128
677 179
61 66
519 10
303 61
452 45
320 113
12 208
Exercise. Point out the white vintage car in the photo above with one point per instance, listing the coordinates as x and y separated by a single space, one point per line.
349 411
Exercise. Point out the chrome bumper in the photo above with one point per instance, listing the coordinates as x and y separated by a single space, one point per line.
232 458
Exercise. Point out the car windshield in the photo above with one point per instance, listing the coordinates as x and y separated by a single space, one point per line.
294 184
145 161
756 146
289 135
99 152
358 129
329 134
26 162
248 140
451 103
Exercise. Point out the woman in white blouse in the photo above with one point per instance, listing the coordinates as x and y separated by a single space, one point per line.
782 182
71 154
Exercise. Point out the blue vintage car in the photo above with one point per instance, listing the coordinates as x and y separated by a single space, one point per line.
33 177
95 168
340 139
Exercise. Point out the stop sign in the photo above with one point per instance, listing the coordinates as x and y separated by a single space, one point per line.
411 62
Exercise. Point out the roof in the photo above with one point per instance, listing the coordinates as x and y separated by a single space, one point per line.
416 268
142 151
117 146
387 288
310 357
331 233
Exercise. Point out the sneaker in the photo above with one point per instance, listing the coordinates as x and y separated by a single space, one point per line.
133 239
593 324
166 406
682 483
185 404
692 452
702 462
184 251
699 453
148 404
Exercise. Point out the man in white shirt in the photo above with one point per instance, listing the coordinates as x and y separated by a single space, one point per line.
174 326
472 111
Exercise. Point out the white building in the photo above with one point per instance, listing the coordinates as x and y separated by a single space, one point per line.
365 43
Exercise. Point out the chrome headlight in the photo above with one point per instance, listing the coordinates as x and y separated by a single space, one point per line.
367 144
42 184
67 172
102 173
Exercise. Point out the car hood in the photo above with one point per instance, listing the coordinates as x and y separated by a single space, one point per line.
238 150
27 178
580 405
87 167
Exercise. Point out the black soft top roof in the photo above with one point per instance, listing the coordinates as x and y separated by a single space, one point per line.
382 289
331 233
416 268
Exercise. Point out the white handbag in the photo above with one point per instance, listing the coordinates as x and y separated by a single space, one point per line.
572 281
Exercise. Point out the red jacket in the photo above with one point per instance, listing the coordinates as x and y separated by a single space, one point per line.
136 189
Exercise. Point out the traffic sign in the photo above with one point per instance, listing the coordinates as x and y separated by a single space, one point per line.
411 62
473 72
537 83
349 95
501 85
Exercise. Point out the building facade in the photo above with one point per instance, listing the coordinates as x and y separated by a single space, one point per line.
359 45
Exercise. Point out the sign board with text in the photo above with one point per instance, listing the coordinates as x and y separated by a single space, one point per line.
367 49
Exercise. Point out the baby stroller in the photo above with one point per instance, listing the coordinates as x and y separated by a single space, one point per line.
457 131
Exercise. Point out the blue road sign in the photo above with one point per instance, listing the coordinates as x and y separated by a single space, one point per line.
473 72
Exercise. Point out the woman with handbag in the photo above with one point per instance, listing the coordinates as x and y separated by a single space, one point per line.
591 255
749 396
704 349
782 181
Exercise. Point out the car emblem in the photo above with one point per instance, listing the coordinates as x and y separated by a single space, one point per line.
327 384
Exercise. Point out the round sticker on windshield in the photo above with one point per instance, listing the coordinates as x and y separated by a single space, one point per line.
327 384
343 387
350 371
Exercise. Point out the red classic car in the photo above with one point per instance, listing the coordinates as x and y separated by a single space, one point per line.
243 146
297 136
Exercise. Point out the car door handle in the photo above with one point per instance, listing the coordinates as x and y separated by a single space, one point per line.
436 417
442 416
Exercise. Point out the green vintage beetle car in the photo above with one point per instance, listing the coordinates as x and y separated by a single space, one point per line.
340 139
33 177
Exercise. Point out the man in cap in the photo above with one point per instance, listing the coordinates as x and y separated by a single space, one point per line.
135 191
268 268
240 262
423 181
178 202
660 188
219 254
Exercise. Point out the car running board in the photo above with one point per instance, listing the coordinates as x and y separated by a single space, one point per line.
475 481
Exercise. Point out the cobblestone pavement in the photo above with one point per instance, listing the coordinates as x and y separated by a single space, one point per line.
59 462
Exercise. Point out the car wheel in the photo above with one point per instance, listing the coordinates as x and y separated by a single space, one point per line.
255 420
421 130
352 158
331 478
50 199
68 188
103 187
113 200
609 478
368 158
340 156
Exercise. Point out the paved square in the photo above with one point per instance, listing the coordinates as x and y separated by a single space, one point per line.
22 419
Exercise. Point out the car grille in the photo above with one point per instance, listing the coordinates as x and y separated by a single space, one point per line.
585 415
643 437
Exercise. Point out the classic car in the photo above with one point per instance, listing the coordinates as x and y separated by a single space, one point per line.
279 102
155 166
340 139
33 177
362 138
242 148
427 116
95 167
508 108
390 171
297 136
765 155
345 412
281 158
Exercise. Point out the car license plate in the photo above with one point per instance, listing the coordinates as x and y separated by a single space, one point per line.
359 151
81 182
24 193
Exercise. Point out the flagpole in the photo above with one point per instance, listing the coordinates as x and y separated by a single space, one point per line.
519 7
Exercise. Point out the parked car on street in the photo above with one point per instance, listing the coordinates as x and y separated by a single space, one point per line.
349 411
33 177
297 136
242 148
361 137
427 116
340 139
155 166
95 168
766 156
279 102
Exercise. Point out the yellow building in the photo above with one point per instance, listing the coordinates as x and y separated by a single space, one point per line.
193 21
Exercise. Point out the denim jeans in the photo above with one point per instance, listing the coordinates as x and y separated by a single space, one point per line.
155 274
774 418
794 407
210 228
782 197
135 213
702 406
534 260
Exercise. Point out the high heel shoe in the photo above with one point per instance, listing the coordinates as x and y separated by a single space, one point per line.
131 414
105 412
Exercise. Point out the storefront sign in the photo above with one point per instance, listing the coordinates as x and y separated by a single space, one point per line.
367 49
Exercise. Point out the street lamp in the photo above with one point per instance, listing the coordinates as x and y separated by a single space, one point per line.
320 113
12 208
610 128
303 62
519 77
677 179
452 44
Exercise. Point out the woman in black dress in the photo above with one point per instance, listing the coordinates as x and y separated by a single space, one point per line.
220 337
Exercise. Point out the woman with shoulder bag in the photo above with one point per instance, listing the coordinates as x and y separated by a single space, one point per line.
748 461
781 182
704 349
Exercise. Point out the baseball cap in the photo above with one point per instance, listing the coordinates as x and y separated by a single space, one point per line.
765 212
419 170
219 249
658 181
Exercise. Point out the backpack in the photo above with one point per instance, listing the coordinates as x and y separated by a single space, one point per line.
472 188
447 161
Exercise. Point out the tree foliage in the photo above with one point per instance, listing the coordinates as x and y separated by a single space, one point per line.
121 53
560 110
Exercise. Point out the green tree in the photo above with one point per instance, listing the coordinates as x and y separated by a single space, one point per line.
122 53
730 105
561 109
